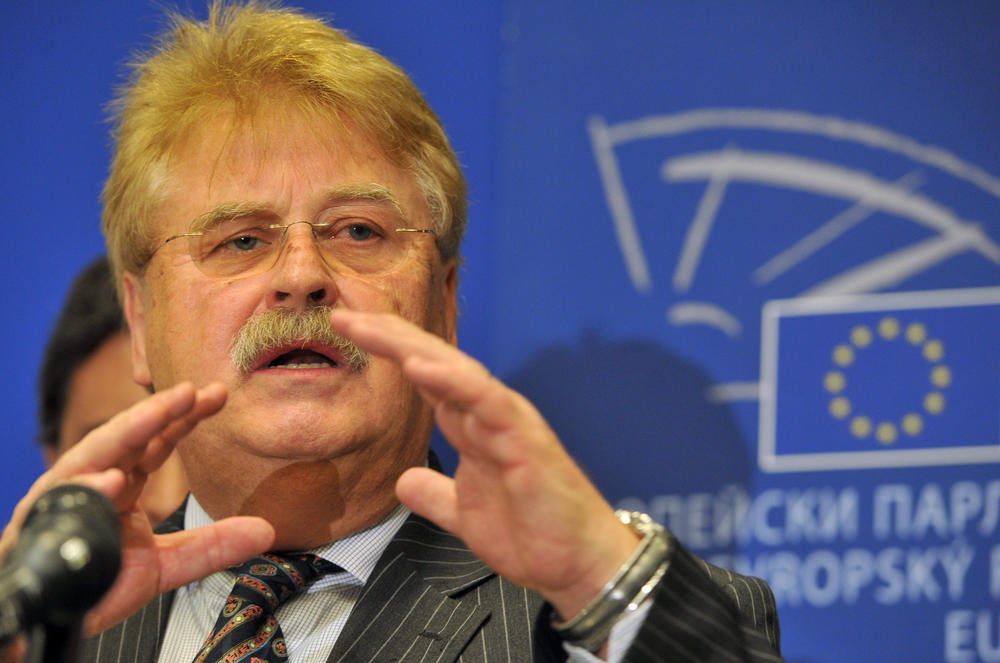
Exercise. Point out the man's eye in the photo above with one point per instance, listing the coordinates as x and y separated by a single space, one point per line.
243 243
359 232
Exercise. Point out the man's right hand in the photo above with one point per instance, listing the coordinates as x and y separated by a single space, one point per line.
115 459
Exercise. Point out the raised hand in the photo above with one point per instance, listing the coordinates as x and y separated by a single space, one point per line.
517 499
115 460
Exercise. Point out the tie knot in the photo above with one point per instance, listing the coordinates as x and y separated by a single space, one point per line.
271 579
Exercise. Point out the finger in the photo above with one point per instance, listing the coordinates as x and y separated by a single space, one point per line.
208 401
447 381
186 556
429 494
122 441
494 405
390 336
138 440
192 554
381 334
110 482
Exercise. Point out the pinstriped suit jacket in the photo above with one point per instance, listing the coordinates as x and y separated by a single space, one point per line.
430 599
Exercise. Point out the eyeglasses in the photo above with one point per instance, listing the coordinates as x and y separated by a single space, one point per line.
245 246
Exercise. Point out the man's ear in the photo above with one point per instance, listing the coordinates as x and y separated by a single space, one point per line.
135 316
450 287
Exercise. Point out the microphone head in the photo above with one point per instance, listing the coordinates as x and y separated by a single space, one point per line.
67 555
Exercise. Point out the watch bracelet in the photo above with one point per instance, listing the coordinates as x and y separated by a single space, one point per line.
634 581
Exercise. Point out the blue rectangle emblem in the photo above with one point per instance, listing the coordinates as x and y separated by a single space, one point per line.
885 380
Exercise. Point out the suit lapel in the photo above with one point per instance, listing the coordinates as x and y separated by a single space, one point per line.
412 607
136 640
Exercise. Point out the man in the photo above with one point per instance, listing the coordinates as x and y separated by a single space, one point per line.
86 379
285 212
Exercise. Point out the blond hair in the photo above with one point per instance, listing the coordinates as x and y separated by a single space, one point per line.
234 58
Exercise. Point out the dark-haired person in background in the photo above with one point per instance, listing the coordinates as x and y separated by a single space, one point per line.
86 378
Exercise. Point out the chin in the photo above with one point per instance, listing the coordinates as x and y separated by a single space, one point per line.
298 441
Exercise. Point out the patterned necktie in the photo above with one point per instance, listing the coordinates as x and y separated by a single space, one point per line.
247 630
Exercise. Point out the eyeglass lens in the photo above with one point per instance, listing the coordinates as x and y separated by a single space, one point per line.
243 246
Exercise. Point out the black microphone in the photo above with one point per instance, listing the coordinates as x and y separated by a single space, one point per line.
66 557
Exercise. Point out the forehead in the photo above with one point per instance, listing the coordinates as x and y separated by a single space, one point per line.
282 159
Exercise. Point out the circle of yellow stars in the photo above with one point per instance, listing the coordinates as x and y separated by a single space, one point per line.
886 431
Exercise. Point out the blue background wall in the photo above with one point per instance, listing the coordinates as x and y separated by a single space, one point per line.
655 189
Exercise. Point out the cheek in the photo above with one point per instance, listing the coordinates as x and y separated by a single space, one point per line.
193 324
402 293
414 291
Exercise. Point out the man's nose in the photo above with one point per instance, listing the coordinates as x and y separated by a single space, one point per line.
300 275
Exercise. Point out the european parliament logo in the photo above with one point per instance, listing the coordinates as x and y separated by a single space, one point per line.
719 210
883 380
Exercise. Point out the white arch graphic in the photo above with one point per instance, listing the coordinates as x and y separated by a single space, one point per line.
605 137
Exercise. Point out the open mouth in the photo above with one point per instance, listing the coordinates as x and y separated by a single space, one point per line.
302 358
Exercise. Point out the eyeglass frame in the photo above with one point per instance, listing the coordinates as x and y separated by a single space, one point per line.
284 228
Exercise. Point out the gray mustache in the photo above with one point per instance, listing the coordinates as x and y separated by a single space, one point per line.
280 327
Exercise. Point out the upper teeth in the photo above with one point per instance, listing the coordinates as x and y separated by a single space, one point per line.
313 365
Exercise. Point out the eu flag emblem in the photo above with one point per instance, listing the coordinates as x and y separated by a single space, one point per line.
885 380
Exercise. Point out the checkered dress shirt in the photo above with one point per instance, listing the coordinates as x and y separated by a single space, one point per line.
313 621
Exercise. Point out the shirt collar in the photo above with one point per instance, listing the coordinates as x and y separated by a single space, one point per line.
357 554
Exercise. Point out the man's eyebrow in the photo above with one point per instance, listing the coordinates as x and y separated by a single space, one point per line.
227 211
364 193
352 193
